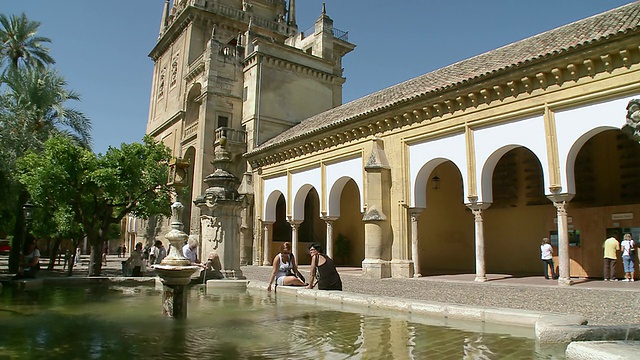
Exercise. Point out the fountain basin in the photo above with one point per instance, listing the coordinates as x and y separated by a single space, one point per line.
175 275
227 284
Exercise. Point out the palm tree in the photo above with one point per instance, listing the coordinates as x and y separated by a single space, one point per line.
33 109
20 46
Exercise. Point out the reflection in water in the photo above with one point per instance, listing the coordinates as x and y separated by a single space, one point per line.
475 349
114 323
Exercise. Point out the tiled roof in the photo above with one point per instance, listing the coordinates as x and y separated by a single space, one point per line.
584 32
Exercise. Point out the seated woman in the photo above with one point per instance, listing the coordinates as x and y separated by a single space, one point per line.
135 261
30 263
324 270
284 266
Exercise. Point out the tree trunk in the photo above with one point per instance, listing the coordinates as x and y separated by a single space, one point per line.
54 252
72 261
95 263
18 234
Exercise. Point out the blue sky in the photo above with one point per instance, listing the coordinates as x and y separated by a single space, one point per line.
101 47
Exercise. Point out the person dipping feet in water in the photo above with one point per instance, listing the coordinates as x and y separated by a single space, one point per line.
284 268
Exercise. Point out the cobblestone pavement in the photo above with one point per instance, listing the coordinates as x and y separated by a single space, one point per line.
602 303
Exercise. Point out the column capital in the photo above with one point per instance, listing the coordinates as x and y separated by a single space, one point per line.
294 223
478 205
414 213
560 198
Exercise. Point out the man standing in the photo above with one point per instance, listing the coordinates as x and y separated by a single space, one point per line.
611 247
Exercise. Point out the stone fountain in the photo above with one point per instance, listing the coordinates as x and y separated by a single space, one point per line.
220 220
175 270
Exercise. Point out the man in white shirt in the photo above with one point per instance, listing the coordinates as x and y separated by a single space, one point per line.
189 250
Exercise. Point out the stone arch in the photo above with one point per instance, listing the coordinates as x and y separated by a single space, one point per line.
192 105
575 150
422 179
489 166
426 156
445 230
270 206
575 126
299 201
333 205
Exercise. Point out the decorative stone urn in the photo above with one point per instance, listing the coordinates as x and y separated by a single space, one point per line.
175 270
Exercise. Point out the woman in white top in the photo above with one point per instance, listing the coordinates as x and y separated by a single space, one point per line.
284 268
546 255
30 259
628 255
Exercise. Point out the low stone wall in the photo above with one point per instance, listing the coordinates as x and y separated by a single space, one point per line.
548 327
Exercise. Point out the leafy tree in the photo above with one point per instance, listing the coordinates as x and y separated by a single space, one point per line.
20 45
99 190
32 109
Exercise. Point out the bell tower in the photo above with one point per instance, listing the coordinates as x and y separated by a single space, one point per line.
238 72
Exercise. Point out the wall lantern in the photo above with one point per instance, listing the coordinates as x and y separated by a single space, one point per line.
435 182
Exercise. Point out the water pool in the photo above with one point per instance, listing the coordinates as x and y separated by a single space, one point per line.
100 322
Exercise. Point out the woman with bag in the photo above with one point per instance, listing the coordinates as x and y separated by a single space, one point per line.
324 270
628 256
285 268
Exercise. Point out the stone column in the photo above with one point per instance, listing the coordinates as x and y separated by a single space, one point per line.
415 254
476 209
329 248
265 248
243 243
295 225
564 268
560 201
377 228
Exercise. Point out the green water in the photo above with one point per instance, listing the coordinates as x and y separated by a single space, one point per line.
126 323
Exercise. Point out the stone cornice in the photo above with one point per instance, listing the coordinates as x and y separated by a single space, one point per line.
178 116
521 81
281 63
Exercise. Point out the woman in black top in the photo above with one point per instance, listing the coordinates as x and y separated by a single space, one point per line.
324 270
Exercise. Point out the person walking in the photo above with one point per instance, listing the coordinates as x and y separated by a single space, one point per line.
628 257
546 255
611 247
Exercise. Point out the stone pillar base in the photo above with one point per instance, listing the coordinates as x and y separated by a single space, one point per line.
174 301
376 269
565 281
402 268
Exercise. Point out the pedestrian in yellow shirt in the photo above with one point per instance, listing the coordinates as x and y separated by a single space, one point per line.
611 247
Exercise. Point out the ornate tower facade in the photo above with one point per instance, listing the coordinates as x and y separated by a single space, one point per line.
236 73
